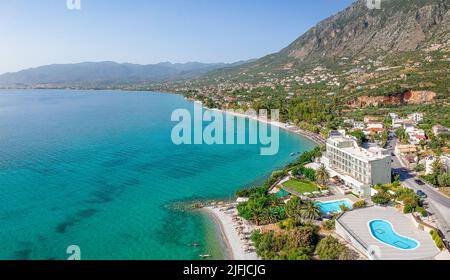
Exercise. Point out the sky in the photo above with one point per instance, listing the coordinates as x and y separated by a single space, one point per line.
35 33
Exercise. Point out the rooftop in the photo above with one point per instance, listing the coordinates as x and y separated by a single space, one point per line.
349 146
356 223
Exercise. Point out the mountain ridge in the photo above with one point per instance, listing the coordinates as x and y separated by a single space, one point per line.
109 72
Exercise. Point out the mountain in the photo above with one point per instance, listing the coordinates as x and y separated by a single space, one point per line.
359 61
399 26
107 73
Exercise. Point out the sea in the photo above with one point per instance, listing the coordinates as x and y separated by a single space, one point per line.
98 170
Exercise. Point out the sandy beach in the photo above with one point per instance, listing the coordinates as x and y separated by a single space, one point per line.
235 245
318 139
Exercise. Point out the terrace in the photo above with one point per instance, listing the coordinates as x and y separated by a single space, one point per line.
353 226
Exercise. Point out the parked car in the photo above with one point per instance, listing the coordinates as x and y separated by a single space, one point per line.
420 182
421 194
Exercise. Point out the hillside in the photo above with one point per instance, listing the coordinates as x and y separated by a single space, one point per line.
106 74
358 58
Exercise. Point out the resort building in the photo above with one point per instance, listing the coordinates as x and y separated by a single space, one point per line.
358 168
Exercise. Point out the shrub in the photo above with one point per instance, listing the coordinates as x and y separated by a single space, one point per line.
421 211
329 224
344 208
444 180
251 191
381 198
410 201
408 209
330 248
360 204
437 239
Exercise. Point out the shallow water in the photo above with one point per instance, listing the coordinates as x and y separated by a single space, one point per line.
98 169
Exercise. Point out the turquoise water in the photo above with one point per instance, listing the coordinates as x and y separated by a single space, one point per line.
383 231
334 206
98 169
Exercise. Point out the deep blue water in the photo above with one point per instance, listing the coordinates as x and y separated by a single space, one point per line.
98 169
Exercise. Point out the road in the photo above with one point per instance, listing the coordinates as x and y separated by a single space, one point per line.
438 203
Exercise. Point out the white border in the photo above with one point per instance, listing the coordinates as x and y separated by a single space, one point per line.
395 232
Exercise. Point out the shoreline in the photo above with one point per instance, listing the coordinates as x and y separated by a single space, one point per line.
234 245
316 138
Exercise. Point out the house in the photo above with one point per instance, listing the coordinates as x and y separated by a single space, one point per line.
416 117
406 150
397 123
393 116
349 122
445 159
359 126
415 135
370 119
439 129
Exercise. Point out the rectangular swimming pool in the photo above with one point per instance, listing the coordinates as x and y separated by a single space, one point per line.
334 206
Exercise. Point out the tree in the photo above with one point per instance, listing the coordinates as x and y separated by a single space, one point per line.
381 198
437 167
401 135
444 180
304 236
261 209
308 173
330 248
360 136
294 208
310 211
322 175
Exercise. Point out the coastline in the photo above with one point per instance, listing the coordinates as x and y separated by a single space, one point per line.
316 138
234 244
233 248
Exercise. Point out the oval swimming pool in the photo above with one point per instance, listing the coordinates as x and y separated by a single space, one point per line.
384 232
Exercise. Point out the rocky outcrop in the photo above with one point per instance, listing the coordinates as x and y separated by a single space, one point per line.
406 97
399 26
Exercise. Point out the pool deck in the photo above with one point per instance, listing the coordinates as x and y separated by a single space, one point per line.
355 224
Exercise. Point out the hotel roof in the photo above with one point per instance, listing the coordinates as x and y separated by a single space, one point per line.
352 148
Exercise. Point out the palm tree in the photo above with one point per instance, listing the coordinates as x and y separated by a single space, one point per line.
310 211
322 175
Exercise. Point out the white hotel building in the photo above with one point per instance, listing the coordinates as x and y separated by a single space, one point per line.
358 168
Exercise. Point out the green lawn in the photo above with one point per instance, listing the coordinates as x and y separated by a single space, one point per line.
301 186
